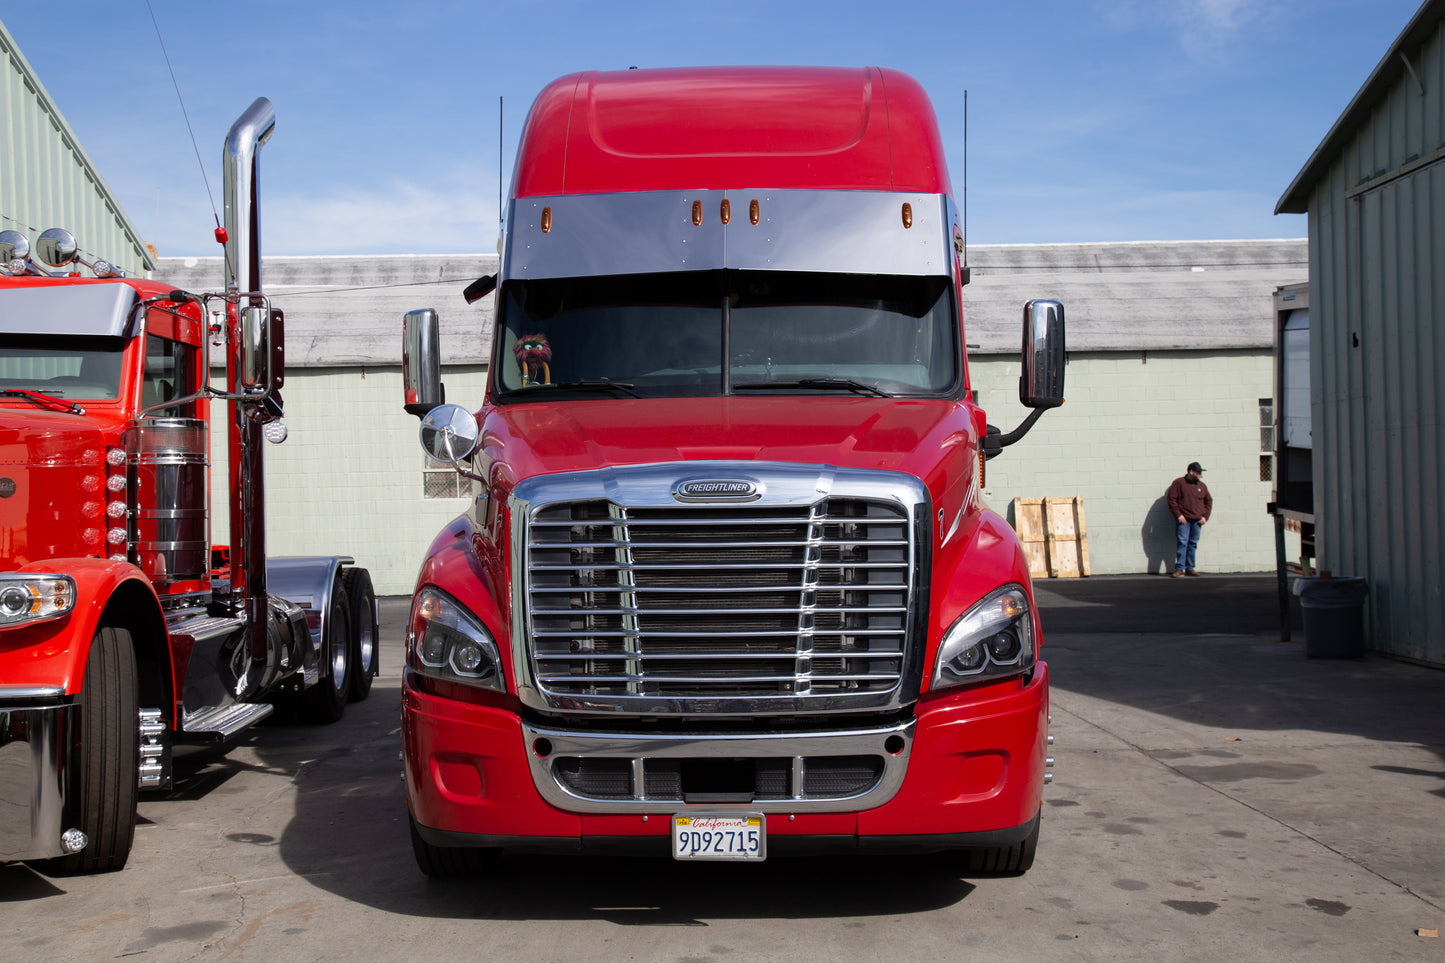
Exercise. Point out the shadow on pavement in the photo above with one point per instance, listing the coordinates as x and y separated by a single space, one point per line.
1207 651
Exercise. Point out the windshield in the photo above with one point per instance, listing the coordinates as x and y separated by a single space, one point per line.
668 335
70 367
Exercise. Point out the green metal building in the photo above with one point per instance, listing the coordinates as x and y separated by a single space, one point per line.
46 179
1374 191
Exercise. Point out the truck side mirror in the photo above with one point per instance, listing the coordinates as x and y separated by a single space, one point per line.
1041 377
421 361
1041 380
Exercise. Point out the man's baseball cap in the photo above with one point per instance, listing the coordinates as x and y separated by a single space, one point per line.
1195 466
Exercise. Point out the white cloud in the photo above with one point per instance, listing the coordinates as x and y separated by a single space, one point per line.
405 218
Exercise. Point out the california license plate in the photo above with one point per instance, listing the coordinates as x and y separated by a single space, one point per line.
740 836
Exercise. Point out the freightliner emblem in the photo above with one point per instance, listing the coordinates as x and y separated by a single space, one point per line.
717 490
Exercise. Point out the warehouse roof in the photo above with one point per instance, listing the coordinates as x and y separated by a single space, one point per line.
1118 296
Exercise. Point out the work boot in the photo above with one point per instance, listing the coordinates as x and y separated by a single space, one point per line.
1178 573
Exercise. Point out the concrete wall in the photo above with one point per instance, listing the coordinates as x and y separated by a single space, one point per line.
1131 424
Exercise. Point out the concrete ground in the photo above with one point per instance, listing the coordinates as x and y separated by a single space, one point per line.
1217 796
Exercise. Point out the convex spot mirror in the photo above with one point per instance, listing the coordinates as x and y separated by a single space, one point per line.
449 434
57 247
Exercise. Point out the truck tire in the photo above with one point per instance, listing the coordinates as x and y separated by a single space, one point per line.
325 702
104 777
449 862
365 645
1001 861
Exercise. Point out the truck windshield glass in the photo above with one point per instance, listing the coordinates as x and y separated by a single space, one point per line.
663 335
70 367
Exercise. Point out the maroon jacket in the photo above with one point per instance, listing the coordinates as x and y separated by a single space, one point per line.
1191 501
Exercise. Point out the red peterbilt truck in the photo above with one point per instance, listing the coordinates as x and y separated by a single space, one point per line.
123 632
729 589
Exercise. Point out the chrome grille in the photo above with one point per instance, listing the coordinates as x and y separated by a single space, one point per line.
692 608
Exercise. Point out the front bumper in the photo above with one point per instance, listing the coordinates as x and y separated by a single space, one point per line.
970 771
34 751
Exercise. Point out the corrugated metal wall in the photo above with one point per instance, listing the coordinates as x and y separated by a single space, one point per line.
1377 296
46 180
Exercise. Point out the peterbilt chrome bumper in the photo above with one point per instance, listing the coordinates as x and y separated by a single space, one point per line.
34 751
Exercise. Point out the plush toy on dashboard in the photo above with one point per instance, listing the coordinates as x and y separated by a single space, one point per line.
534 356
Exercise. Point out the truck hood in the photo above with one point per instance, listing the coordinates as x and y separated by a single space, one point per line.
921 437
45 458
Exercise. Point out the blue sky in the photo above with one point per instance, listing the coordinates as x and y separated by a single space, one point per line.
1088 120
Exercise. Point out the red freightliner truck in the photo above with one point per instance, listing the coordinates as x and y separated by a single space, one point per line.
123 632
729 588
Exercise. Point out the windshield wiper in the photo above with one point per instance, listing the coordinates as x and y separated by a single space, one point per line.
43 400
622 386
824 384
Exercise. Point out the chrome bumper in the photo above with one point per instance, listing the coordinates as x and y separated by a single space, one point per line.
34 752
546 748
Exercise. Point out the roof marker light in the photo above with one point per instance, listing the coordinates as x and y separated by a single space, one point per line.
727 210
697 213
546 220
755 213
907 216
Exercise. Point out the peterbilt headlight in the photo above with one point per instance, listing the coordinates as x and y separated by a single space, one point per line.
35 598
994 638
445 641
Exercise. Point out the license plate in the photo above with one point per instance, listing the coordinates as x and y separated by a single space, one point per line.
740 836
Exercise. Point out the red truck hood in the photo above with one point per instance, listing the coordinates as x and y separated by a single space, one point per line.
924 438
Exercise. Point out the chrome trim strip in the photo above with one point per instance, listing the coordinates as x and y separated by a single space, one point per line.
8 692
648 232
637 748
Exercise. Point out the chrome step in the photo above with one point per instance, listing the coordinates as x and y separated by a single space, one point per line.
219 724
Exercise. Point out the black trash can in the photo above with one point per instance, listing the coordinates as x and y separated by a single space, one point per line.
1334 616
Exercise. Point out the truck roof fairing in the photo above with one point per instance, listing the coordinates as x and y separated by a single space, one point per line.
715 128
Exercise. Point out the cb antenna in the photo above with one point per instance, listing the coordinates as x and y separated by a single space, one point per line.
964 252
499 165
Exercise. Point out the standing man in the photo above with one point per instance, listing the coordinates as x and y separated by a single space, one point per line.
1190 503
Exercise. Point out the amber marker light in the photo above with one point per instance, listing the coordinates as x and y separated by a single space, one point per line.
697 213
755 213
727 210
546 219
907 215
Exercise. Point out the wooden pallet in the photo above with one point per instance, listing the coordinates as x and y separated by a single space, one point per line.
1054 538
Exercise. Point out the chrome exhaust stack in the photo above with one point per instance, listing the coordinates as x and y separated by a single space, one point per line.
242 241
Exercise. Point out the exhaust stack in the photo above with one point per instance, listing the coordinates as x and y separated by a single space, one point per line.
240 161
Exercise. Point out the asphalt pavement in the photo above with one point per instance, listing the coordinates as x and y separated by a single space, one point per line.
1218 795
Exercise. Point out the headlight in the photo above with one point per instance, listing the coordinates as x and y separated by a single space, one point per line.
994 638
445 641
35 598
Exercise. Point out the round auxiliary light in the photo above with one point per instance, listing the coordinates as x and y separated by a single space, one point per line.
116 536
275 432
115 509
115 457
115 483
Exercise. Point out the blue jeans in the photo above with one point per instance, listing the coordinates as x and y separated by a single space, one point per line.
1188 534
